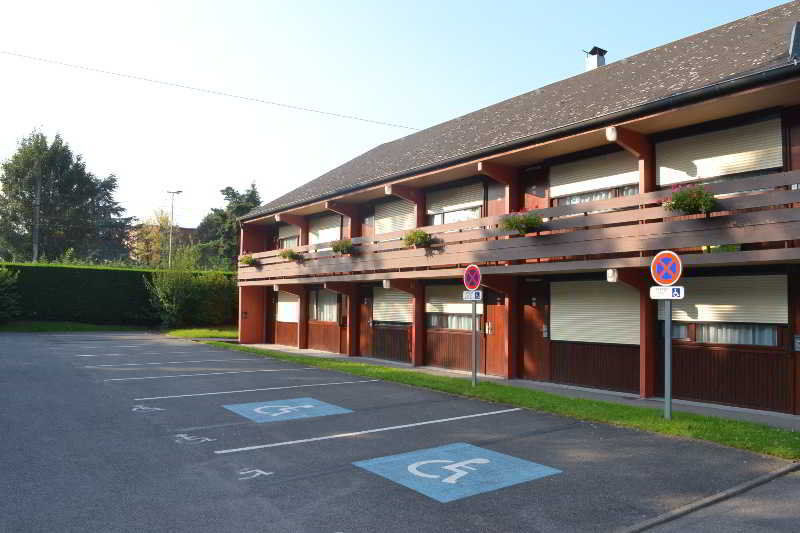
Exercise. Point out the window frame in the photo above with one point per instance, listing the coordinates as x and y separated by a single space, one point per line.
313 298
282 242
781 330
616 192
431 219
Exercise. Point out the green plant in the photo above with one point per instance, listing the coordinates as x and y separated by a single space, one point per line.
290 255
9 295
345 246
691 200
85 294
229 332
721 248
248 260
418 238
522 223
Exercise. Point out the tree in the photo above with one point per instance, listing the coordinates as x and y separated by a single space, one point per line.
218 233
149 240
76 209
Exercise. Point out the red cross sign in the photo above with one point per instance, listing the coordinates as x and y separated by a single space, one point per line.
666 268
472 278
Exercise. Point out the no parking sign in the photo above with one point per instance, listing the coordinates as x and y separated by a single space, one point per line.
666 268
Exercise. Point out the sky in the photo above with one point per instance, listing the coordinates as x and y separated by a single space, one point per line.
415 63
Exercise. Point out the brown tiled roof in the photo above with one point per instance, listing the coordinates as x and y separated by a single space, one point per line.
746 46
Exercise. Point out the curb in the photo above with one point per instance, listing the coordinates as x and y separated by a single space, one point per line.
711 500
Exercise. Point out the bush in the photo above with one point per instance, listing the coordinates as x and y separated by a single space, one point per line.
248 260
345 246
691 200
184 297
93 295
290 255
522 223
9 295
418 238
118 296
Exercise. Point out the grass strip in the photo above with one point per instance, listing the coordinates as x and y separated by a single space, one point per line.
748 436
24 326
225 332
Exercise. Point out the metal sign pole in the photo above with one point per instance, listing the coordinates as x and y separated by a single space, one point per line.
474 342
668 360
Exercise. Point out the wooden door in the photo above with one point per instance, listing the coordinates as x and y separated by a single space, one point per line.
365 321
495 329
535 361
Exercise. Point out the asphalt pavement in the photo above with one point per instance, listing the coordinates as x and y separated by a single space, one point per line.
134 431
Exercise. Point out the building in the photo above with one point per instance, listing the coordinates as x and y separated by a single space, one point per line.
596 156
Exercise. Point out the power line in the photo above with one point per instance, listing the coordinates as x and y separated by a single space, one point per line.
205 91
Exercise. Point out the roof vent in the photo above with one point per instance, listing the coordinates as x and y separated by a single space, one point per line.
794 43
596 57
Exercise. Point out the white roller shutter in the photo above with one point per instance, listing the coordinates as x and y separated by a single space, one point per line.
454 198
594 311
394 215
755 146
288 308
287 230
594 174
325 229
448 299
753 299
391 305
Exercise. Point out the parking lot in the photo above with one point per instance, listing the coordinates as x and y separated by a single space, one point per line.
131 432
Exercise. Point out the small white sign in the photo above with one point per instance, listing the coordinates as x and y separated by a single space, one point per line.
473 296
667 293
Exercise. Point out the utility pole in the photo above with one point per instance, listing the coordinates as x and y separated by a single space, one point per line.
37 176
171 223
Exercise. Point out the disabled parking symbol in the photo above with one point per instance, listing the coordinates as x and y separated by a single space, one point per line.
280 410
455 471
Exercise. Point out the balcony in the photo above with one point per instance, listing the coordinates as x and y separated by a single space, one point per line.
616 233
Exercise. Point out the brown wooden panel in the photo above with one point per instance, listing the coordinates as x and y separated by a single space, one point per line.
740 375
449 348
286 333
324 336
535 361
602 366
392 343
769 225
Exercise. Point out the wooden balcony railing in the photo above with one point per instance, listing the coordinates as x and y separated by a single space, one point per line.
759 210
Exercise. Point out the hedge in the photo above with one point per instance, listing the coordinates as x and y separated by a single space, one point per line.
97 295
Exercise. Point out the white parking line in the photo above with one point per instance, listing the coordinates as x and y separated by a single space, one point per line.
253 390
117 365
357 433
211 374
96 355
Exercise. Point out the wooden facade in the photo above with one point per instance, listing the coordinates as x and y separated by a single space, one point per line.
601 366
449 348
755 215
325 336
286 333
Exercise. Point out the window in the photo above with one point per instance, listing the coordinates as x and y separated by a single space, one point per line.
752 334
288 242
726 333
323 306
680 330
458 215
449 321
627 190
